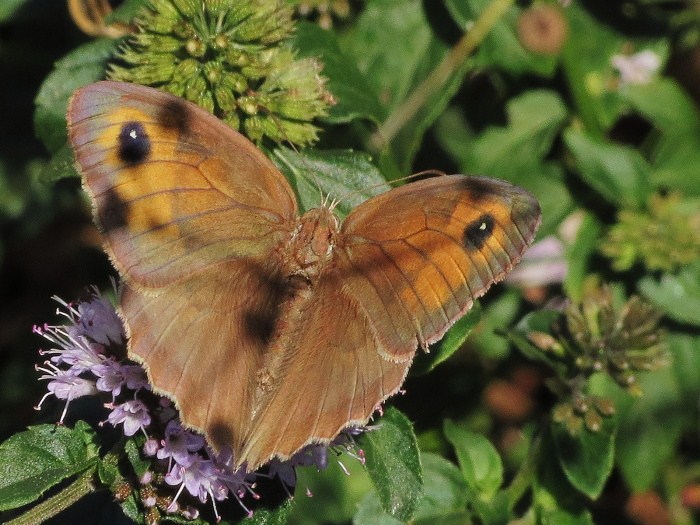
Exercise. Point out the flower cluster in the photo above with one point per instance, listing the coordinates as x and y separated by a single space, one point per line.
664 237
88 357
600 335
323 11
231 58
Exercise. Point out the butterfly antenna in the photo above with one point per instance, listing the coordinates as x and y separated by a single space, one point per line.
370 189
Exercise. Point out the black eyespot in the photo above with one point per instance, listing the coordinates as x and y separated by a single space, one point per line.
134 143
113 211
478 232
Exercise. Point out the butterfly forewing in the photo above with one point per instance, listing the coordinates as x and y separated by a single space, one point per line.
416 257
175 190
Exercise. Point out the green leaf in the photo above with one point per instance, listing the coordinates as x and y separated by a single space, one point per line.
498 313
478 459
676 163
443 502
133 448
501 48
9 7
578 256
534 120
619 173
587 459
564 517
649 426
516 152
496 511
399 50
445 494
678 296
683 349
354 97
666 105
61 166
35 460
345 175
82 66
586 62
552 493
394 465
108 469
278 516
126 11
448 345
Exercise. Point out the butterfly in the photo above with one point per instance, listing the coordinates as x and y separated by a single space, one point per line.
270 330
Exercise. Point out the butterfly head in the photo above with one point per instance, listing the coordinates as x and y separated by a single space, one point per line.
312 242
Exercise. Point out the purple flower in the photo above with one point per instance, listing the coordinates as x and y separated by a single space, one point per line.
111 377
64 385
134 414
180 444
135 377
98 320
543 263
150 447
114 375
76 352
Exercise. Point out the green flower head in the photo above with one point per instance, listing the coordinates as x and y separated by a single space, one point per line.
664 237
233 58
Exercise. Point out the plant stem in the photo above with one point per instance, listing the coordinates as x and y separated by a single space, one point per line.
58 502
441 74
523 478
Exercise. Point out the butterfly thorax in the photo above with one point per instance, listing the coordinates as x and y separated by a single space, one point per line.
312 242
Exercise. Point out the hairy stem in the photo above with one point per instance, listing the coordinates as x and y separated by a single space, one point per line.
58 502
441 74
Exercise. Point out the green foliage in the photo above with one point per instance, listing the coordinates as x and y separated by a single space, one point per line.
587 111
397 478
33 461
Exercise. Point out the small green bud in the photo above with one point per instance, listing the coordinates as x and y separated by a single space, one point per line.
213 71
195 47
248 105
224 98
604 406
235 82
232 120
573 425
561 412
580 404
186 70
221 41
152 516
593 421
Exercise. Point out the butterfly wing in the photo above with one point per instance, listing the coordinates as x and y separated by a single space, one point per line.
175 190
202 341
407 265
192 214
333 376
418 256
